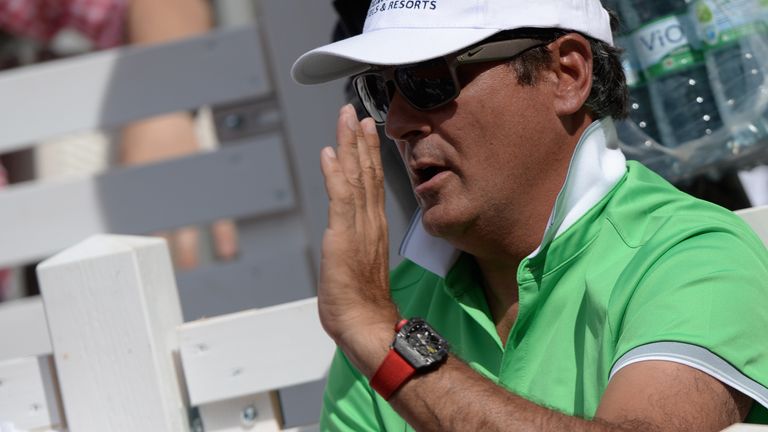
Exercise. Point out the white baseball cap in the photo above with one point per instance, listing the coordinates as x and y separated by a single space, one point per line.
400 32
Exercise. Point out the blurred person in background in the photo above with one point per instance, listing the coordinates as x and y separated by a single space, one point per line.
28 29
172 135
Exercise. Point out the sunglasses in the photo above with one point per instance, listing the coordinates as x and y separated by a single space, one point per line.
432 83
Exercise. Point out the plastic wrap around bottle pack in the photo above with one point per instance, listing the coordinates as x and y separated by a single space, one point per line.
703 66
640 110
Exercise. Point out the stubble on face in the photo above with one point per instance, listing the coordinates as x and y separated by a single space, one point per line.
496 140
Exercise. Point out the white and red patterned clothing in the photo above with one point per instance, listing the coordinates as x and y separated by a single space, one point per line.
101 21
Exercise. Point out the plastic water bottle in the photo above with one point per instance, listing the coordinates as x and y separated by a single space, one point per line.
679 86
640 110
734 34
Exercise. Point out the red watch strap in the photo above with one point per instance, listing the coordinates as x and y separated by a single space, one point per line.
392 374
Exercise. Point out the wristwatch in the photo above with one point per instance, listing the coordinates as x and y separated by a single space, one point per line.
417 348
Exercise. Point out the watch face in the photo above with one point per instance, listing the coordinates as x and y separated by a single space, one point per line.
420 345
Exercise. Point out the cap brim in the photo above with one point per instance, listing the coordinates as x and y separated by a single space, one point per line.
393 46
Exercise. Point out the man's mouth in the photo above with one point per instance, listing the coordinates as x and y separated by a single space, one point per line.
426 174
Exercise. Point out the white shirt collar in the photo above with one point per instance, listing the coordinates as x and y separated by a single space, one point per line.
596 166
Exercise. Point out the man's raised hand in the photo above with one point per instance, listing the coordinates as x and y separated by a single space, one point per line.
353 293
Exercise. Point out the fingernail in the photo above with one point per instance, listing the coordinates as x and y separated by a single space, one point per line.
369 126
351 117
330 152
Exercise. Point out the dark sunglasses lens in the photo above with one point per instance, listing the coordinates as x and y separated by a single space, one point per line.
426 85
372 91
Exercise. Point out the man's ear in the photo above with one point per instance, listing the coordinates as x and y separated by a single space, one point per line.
572 66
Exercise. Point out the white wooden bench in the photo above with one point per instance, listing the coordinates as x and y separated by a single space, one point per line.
124 357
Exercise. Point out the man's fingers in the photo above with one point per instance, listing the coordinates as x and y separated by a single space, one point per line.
374 143
341 199
353 175
370 161
347 149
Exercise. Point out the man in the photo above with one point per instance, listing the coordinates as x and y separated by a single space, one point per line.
576 291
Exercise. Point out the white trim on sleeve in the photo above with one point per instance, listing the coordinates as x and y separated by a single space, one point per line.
698 358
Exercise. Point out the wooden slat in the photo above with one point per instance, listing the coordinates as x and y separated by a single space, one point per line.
24 329
281 277
27 399
248 179
113 308
113 87
257 235
254 351
757 218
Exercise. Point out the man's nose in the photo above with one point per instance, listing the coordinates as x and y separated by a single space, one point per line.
404 122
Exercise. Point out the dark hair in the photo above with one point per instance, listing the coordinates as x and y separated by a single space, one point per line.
609 95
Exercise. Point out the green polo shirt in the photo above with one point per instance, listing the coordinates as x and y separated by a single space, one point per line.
646 269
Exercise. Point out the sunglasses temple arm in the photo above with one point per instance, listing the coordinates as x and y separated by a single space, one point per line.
497 50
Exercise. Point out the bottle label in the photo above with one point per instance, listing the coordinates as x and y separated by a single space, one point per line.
662 47
722 22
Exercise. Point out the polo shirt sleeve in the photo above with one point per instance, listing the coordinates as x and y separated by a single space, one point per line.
703 303
348 402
